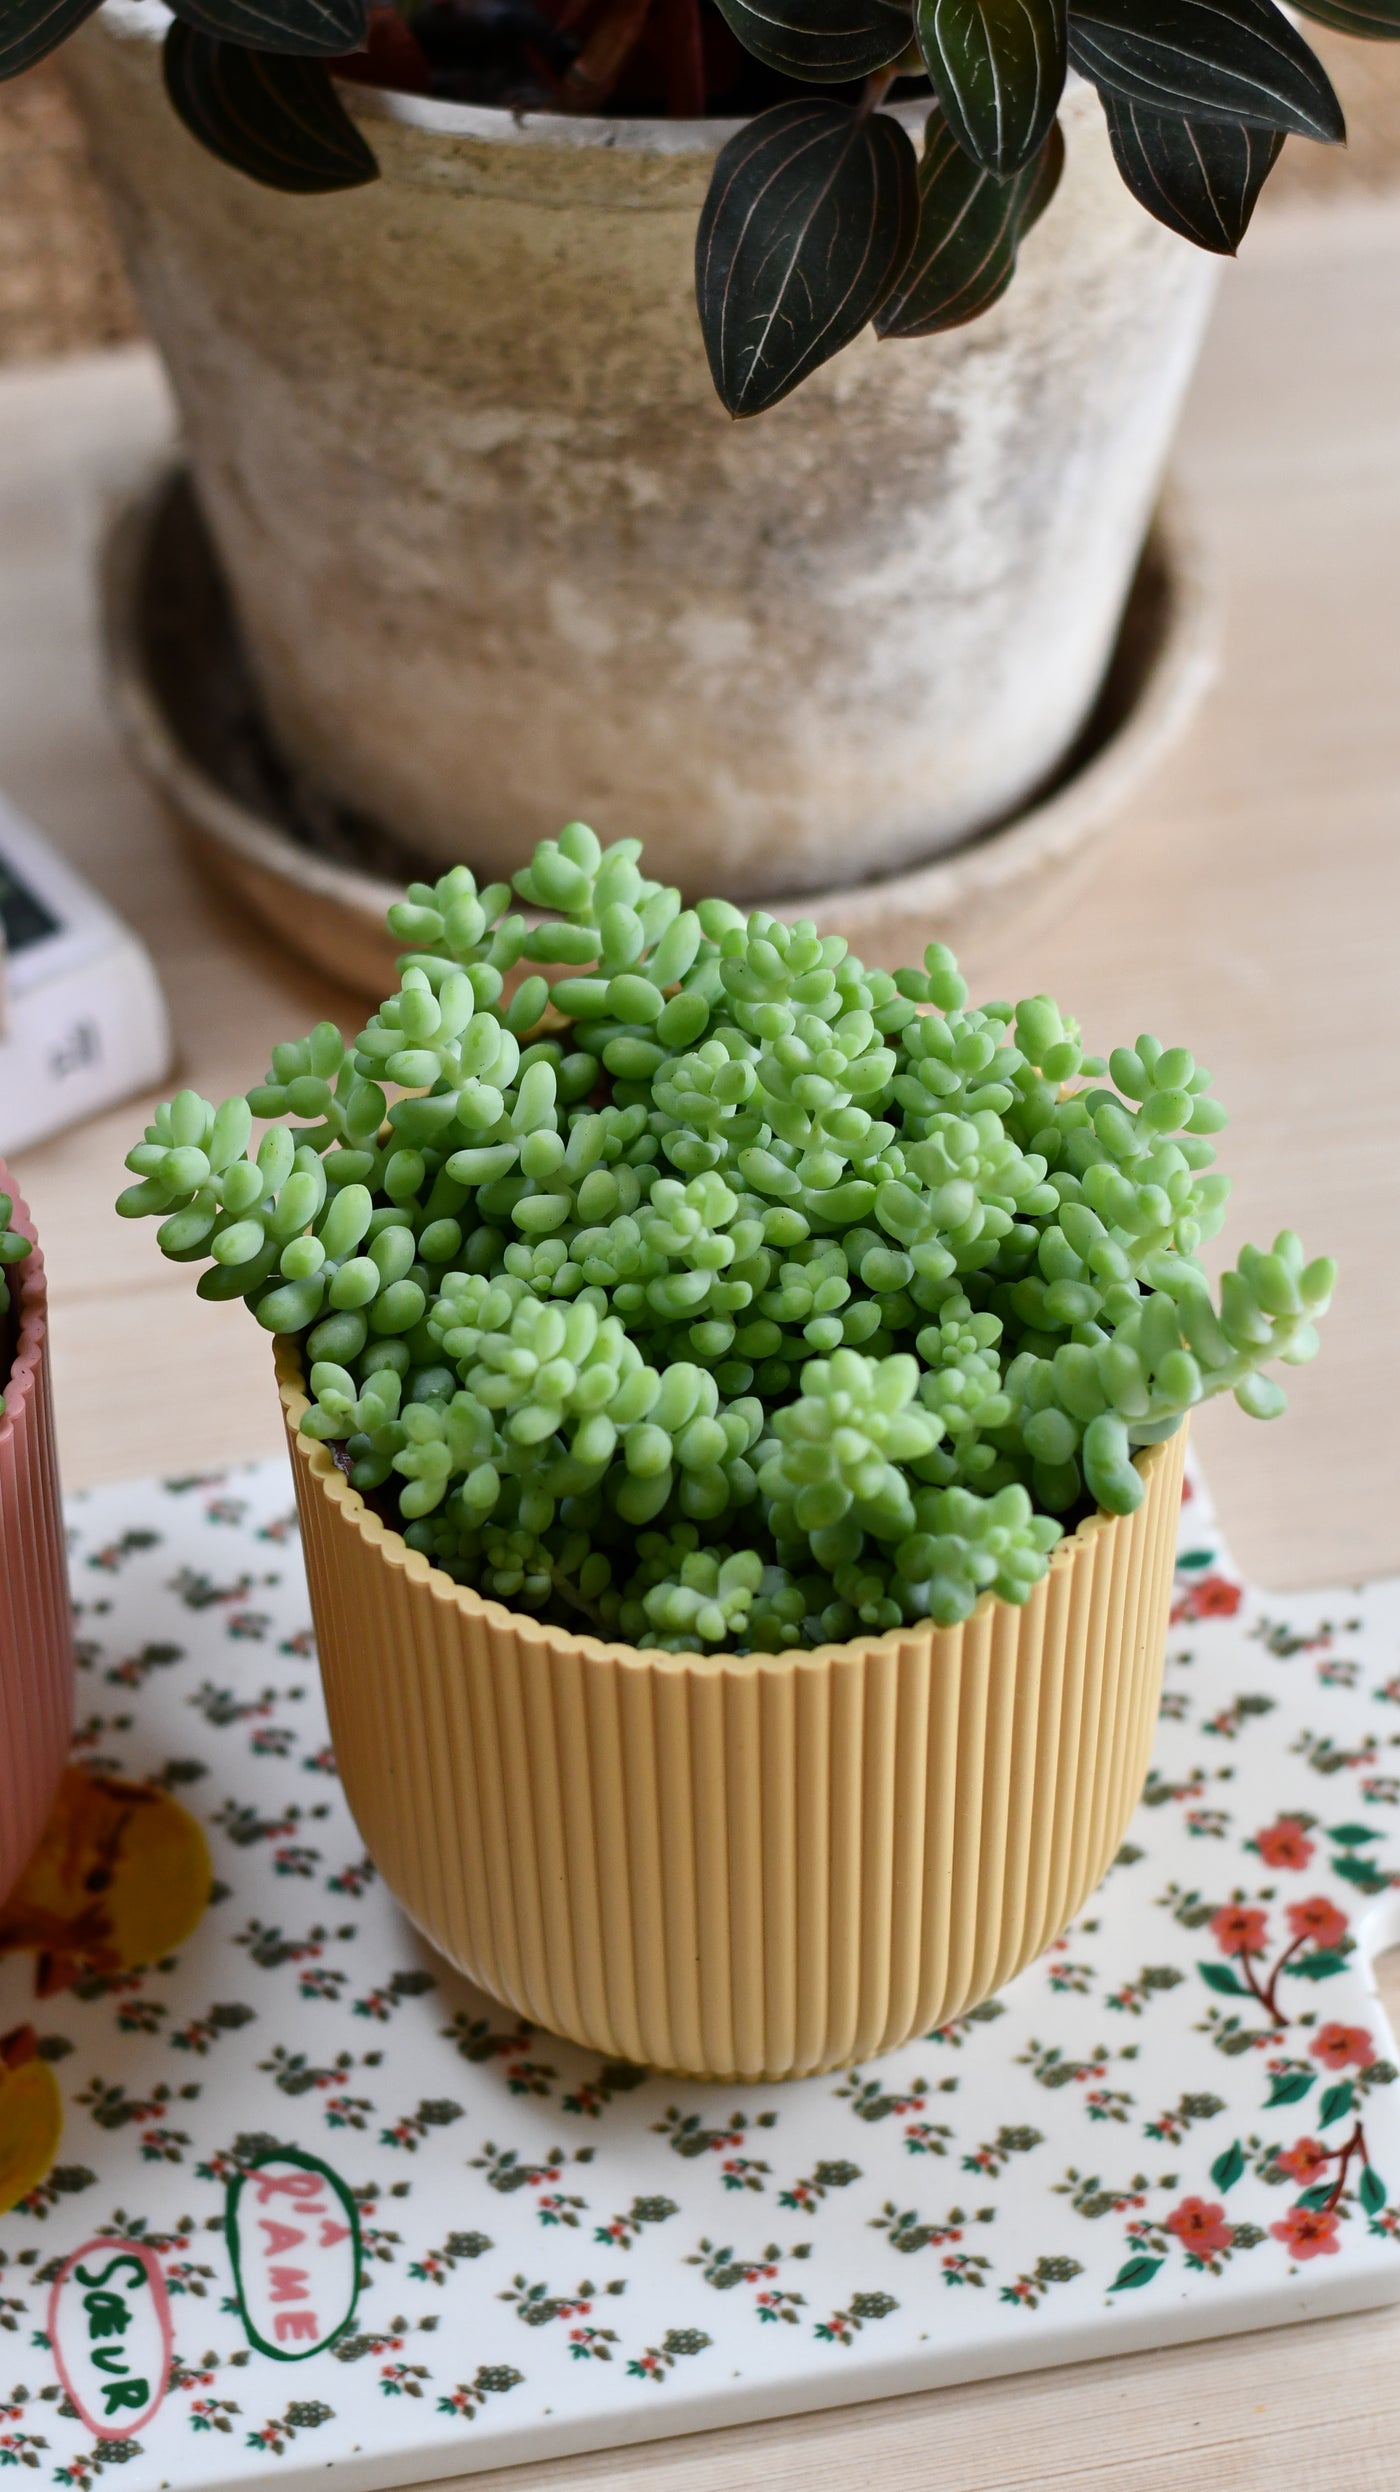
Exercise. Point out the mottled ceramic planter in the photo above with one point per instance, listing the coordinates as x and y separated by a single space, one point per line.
737 1868
36 1628
501 558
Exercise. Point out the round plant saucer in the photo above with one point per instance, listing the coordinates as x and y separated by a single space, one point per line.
320 879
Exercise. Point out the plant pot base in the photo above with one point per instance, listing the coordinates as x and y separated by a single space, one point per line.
321 881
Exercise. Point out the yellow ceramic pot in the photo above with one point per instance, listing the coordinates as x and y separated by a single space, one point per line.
737 1868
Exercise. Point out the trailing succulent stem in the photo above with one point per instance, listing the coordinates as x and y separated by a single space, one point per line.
820 217
723 1291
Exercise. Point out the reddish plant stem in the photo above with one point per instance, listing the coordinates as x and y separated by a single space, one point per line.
1356 2144
590 79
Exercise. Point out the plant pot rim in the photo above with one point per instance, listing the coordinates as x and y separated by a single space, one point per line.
560 1643
30 1298
496 124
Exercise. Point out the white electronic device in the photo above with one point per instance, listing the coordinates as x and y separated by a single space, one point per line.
82 1018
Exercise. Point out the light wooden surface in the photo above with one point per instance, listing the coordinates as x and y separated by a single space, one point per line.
1249 907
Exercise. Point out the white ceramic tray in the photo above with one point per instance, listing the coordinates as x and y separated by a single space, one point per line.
397 2232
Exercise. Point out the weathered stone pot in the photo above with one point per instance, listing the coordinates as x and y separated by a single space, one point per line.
36 1628
500 557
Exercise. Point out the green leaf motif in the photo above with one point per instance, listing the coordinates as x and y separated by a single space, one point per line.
997 68
809 219
1336 2103
1372 2191
1353 1834
1137 2271
1226 2169
290 26
1221 60
1289 2087
1199 178
1219 1977
971 226
31 29
278 120
1317 1966
1315 2199
825 41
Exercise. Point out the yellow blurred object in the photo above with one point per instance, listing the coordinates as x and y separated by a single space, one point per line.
122 1875
31 2117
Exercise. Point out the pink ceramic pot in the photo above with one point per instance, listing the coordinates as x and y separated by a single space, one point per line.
36 1627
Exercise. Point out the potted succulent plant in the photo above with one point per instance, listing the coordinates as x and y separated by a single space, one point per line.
493 544
36 1634
737 1404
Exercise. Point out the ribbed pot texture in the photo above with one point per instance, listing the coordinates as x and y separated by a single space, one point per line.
499 556
737 1868
36 1626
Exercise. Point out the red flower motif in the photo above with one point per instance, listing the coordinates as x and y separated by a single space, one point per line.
1200 2227
1284 1845
1319 1920
1344 2046
1304 2160
1239 1930
1308 2232
1211 1596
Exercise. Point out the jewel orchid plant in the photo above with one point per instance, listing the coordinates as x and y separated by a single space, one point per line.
723 1292
821 217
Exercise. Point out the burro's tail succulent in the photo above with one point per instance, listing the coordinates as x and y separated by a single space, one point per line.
666 1271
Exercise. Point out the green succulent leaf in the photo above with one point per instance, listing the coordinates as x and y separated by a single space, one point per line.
810 218
1215 60
289 26
278 120
31 29
1201 178
971 226
821 40
998 70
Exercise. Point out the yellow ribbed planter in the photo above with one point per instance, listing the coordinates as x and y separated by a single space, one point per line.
737 1868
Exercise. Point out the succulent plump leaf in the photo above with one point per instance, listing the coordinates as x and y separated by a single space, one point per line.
271 116
998 70
971 226
30 29
757 1298
1220 60
824 41
809 219
1202 178
292 26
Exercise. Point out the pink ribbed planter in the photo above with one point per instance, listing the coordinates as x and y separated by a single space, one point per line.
36 1626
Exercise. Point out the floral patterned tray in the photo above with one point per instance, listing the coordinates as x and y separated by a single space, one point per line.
316 2202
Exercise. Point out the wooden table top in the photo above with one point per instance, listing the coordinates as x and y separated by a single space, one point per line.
1249 897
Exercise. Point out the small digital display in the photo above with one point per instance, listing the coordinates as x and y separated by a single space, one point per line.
23 918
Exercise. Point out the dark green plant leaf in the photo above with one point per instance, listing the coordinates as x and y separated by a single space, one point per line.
1201 178
1378 22
998 70
292 26
31 28
1353 1834
1315 2199
822 40
1226 2169
1372 2191
1336 2102
970 228
810 217
1219 1977
1317 1966
1213 60
1362 1873
1290 2087
1137 2271
278 120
